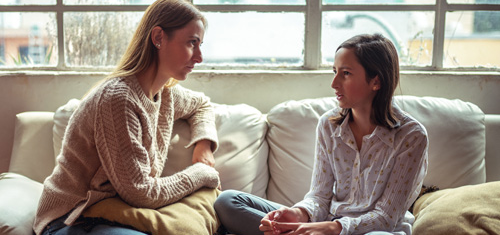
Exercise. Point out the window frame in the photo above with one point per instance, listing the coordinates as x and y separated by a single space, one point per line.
312 39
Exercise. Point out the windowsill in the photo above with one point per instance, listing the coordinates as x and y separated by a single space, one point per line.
198 73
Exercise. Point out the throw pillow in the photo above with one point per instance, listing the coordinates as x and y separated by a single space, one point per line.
193 214
472 209
19 197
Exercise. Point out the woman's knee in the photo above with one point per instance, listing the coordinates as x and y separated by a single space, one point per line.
226 200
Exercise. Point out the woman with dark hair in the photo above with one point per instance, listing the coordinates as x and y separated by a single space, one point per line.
370 158
117 141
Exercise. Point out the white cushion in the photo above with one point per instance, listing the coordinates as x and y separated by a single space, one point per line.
32 152
242 155
61 118
492 123
291 138
19 201
456 133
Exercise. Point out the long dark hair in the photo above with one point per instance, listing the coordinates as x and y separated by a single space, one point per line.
379 57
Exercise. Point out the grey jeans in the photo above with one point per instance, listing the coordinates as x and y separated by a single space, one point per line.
241 212
57 227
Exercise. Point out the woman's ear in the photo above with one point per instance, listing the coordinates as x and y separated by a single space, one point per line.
375 83
157 36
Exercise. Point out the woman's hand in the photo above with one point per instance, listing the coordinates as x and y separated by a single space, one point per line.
284 214
318 228
203 153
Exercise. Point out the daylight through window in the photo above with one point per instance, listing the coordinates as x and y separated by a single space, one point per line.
255 34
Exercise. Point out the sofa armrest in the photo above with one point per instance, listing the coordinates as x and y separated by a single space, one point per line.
18 203
492 122
33 150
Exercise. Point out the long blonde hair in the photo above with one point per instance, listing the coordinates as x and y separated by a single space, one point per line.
170 15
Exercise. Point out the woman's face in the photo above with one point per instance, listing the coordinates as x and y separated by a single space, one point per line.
349 81
181 51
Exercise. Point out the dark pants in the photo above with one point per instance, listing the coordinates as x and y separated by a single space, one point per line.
87 226
241 212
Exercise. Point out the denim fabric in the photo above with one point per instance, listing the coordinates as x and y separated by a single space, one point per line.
241 212
90 226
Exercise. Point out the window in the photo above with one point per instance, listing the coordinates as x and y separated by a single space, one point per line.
256 34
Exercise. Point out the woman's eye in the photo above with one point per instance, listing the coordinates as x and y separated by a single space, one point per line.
346 73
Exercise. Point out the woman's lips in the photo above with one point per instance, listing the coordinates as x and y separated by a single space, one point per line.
339 96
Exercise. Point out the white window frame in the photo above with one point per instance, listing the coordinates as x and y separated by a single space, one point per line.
313 18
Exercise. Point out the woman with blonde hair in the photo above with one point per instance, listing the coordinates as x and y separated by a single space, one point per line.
117 141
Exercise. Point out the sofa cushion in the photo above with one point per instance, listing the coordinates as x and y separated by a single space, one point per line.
19 201
61 119
291 138
457 142
241 132
242 156
32 152
471 209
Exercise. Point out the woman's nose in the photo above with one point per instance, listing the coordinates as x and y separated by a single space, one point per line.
334 81
197 56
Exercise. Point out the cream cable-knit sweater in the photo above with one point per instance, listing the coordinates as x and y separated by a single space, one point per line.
117 142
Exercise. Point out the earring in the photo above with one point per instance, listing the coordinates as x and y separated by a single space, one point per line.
158 45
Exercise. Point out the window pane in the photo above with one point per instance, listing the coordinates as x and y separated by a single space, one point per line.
361 2
251 38
251 2
27 2
466 30
411 33
98 38
107 2
27 39
474 1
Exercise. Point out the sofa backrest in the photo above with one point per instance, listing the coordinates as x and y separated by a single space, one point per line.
271 155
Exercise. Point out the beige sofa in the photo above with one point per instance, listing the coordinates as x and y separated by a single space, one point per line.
269 155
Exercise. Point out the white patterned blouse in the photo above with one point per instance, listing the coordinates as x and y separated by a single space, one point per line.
372 188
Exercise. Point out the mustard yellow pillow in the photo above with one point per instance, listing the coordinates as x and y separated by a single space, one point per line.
472 209
193 214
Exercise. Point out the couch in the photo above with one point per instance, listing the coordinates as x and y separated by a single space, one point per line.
271 155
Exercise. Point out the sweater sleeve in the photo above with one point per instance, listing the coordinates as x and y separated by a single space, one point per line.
127 163
196 108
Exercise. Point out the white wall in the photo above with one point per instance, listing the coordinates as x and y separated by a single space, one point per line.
45 91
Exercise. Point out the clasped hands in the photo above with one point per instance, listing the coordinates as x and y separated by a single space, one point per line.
294 221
